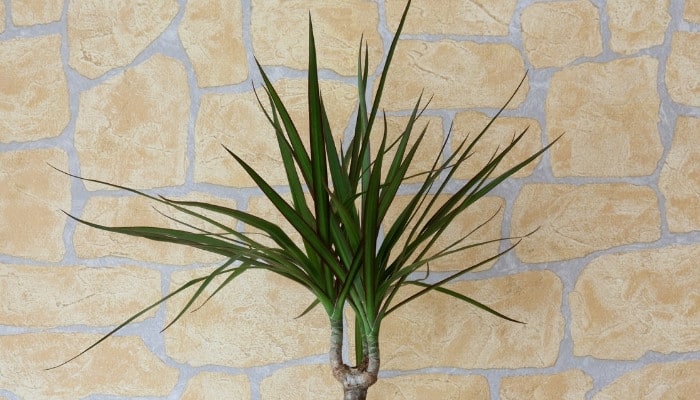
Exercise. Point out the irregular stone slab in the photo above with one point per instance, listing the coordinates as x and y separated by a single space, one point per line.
453 17
212 385
571 384
431 386
456 74
606 134
680 177
236 121
574 221
678 380
2 17
248 323
636 25
31 223
303 382
212 34
34 101
280 31
120 366
624 305
557 33
105 34
61 296
691 13
683 84
137 211
462 336
137 119
33 12
466 224
469 124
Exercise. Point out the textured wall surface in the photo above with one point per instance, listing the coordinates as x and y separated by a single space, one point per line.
143 94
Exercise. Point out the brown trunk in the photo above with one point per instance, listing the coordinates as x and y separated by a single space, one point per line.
355 394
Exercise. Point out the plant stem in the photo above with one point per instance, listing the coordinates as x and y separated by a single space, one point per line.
355 380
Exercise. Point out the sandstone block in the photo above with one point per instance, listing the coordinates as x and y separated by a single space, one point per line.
138 121
304 382
56 296
624 305
677 380
463 336
557 33
456 74
33 12
636 25
248 323
453 17
213 385
104 34
606 133
680 177
236 121
568 385
575 221
34 101
2 17
120 366
469 124
31 223
683 84
137 211
280 32
430 147
463 226
691 13
431 386
212 34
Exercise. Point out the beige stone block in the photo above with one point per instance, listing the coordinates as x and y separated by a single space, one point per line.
568 385
469 124
236 121
132 129
465 226
682 81
59 296
120 366
557 33
574 221
250 322
691 13
213 385
636 25
2 17
212 34
34 101
431 386
676 380
456 74
624 305
606 133
105 34
430 148
280 31
680 177
31 223
137 211
303 382
33 12
463 336
453 17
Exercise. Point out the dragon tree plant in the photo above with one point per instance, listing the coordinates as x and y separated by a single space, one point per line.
345 258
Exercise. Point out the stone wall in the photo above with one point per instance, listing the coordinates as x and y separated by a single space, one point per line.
143 94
